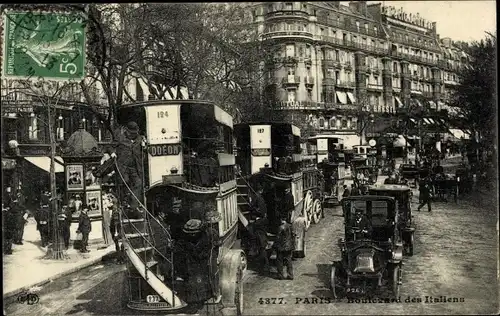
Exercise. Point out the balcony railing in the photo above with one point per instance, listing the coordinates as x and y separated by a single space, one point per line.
309 80
350 27
328 81
331 63
375 86
286 33
345 84
287 13
290 80
427 94
309 105
352 44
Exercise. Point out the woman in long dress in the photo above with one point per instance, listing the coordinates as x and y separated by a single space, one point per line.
106 219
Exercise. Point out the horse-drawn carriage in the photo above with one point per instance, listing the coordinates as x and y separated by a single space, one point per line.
181 247
371 252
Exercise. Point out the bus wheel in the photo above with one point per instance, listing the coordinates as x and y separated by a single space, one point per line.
317 211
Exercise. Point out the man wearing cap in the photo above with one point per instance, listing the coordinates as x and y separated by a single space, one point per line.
197 248
128 153
284 245
84 227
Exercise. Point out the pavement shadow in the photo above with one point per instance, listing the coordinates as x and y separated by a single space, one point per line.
37 243
102 299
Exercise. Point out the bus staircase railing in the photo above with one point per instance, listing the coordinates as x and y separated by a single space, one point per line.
144 257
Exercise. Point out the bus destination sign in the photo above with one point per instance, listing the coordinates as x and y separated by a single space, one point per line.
164 150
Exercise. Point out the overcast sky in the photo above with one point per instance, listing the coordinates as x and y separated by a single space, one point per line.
460 20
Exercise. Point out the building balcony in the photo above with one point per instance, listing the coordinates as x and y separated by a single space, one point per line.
374 87
331 63
290 81
348 65
308 60
302 14
396 74
396 89
451 83
416 92
437 81
351 44
309 81
328 81
345 84
310 105
288 34
427 94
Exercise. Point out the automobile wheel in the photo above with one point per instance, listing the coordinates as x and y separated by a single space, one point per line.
410 244
395 280
335 282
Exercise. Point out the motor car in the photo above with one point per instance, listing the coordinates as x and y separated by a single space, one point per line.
371 250
403 196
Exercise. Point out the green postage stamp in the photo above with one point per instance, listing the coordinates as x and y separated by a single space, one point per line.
44 45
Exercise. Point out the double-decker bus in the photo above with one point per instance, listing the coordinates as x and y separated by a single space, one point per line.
270 158
181 247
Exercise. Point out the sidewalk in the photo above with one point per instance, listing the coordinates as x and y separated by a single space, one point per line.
26 268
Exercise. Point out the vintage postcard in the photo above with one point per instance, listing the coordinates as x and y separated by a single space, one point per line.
250 158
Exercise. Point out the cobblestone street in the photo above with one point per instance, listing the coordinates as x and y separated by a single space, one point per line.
455 249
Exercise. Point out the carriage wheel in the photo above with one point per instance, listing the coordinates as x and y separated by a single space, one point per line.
317 211
307 208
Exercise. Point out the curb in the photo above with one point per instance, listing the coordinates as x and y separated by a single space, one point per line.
57 276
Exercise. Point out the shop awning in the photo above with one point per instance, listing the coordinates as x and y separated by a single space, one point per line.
426 121
413 120
431 120
400 141
400 104
44 163
351 97
342 97
458 133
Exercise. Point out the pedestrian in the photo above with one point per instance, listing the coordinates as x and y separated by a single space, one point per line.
347 192
84 227
258 204
288 205
284 246
21 218
425 193
115 230
42 223
355 190
65 224
107 209
9 220
129 159
260 231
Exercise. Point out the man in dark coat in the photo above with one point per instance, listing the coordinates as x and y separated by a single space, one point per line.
9 226
84 227
65 224
425 193
129 158
347 192
284 245
288 205
21 216
355 190
42 223
260 227
258 204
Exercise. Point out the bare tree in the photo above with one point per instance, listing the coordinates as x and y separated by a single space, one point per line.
49 94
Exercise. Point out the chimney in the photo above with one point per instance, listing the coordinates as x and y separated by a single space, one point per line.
359 6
